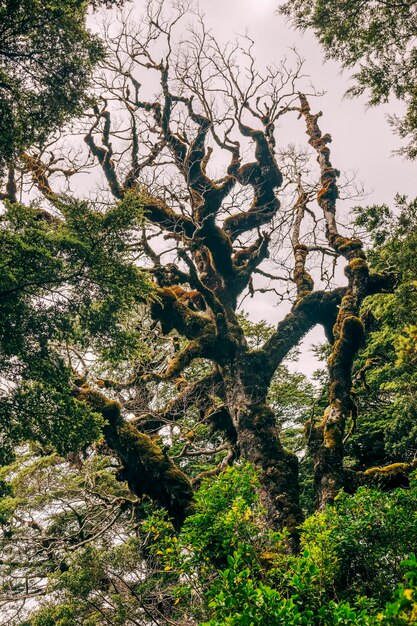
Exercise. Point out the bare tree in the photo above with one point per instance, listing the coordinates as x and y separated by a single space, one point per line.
188 129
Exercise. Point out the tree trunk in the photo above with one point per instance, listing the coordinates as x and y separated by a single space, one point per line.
259 443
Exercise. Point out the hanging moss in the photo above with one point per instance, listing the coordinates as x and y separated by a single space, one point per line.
358 264
388 477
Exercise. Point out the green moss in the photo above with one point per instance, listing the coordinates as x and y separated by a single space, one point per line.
332 435
345 244
347 306
140 446
358 264
111 411
92 397
388 470
350 337
174 473
390 476
304 283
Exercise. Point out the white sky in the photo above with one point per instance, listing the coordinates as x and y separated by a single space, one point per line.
362 140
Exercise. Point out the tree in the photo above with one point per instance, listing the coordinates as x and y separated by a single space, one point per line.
133 391
157 157
375 37
46 60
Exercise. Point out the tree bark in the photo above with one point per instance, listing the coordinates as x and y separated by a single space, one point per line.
146 468
259 443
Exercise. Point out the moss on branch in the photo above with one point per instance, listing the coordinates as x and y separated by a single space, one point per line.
315 308
172 313
146 468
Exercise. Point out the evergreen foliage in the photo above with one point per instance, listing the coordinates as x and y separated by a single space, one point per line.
63 283
46 59
356 564
385 373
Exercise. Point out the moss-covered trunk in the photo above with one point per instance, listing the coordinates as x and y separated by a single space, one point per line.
259 442
326 439
146 468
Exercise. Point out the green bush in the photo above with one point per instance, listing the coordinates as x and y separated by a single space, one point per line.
360 542
226 568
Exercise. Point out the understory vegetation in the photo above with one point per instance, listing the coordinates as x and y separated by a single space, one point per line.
226 566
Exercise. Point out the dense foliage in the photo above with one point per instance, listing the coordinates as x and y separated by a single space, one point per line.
111 565
46 59
385 373
63 283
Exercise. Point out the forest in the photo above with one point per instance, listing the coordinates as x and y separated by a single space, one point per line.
167 456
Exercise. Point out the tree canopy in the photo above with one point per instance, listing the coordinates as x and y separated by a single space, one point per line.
46 59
